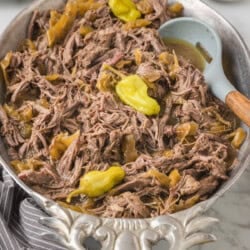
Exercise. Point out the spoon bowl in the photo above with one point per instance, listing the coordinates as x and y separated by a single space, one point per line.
193 31
196 31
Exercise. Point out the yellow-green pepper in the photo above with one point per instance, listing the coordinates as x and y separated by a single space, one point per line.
133 91
4 64
59 30
162 178
239 137
27 164
60 24
186 129
124 9
136 24
84 5
174 177
96 183
60 143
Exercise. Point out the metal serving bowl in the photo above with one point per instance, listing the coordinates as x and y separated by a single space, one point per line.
179 228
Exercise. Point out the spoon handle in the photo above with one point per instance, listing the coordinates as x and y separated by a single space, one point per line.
240 105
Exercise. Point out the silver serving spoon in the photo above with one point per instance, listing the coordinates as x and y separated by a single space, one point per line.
193 31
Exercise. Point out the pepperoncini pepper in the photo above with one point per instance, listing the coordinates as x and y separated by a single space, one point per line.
171 61
132 90
4 64
136 24
26 130
59 30
60 24
174 177
238 137
84 5
54 17
124 9
60 143
29 45
32 163
186 129
85 29
11 112
162 178
138 56
82 208
176 8
96 183
52 77
184 204
25 115
168 153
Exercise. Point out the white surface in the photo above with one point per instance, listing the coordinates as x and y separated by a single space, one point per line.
233 232
8 10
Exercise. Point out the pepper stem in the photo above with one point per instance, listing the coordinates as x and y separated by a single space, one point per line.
74 193
110 68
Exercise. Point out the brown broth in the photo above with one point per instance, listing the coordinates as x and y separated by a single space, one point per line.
186 50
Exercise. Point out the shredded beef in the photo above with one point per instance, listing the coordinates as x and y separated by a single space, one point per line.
72 101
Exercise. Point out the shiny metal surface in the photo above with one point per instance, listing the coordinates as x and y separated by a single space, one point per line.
179 229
